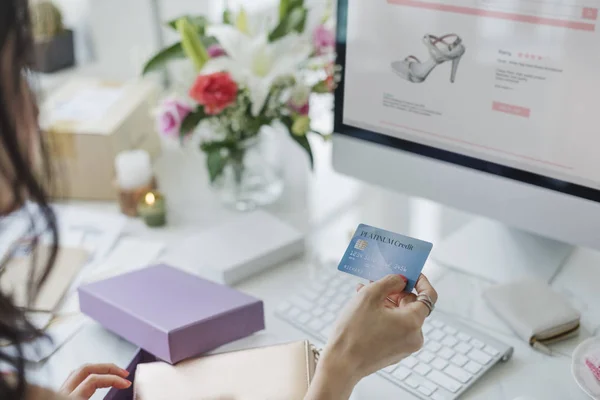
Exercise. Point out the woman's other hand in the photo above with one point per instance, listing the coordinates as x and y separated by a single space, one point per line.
371 333
83 383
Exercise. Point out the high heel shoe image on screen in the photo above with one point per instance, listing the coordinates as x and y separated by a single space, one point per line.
441 49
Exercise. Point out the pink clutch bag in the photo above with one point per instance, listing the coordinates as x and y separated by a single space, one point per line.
276 372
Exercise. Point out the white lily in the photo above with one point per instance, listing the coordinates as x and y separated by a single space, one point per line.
255 62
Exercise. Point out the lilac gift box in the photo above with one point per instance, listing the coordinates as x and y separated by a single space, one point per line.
171 314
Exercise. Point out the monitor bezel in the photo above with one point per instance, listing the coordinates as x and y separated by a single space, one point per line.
447 156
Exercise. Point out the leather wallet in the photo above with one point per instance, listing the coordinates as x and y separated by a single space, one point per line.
534 311
276 372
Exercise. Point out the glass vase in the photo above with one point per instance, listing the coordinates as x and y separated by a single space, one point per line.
252 176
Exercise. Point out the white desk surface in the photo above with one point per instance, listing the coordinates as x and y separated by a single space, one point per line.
328 207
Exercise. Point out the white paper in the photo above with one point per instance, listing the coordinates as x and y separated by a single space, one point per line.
87 105
58 334
130 254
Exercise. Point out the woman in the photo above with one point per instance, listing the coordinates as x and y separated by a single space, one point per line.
378 328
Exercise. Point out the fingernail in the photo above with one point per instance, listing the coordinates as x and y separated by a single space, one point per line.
404 278
128 383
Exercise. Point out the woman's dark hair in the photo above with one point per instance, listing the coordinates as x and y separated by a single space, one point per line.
26 183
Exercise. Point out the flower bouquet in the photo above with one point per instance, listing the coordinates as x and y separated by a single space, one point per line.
250 77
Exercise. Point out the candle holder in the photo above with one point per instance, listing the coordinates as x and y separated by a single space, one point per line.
129 199
152 209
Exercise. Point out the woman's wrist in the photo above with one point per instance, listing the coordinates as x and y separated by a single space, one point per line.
334 378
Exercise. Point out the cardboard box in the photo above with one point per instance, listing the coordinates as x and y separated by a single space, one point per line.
171 314
87 122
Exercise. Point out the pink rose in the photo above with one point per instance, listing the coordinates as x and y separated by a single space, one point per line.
323 40
215 92
170 115
215 51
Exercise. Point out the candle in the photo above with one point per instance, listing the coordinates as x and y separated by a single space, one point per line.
133 169
152 209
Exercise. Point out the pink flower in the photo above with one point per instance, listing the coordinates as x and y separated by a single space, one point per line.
215 92
215 51
170 115
323 40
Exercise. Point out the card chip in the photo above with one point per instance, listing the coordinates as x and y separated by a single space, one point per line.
361 244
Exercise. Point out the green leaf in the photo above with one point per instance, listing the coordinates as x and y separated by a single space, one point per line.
159 61
199 22
191 121
227 16
215 163
321 87
305 144
192 44
292 22
218 145
284 6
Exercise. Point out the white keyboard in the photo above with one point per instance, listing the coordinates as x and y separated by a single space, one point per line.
453 357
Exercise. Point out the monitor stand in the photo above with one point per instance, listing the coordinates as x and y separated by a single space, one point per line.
501 254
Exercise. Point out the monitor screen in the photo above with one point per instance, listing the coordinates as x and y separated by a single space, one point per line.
509 87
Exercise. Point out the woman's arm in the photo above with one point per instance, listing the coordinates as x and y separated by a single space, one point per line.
372 333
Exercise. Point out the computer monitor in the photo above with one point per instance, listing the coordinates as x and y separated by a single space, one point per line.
487 106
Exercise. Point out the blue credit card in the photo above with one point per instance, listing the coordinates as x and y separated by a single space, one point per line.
374 253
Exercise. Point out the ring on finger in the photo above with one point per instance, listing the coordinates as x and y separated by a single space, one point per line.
425 299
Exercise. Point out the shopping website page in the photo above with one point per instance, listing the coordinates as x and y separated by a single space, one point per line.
516 82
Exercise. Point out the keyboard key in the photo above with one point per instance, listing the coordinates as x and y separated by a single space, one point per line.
450 330
491 351
401 372
293 312
478 344
412 382
329 293
390 369
458 373
473 367
335 283
323 301
438 363
479 356
303 318
349 287
459 360
334 307
301 303
449 341
444 381
318 287
318 311
437 323
317 324
426 356
422 369
328 316
425 390
463 348
464 337
446 353
433 346
439 396
311 295
436 335
283 307
429 385
427 328
410 362
327 331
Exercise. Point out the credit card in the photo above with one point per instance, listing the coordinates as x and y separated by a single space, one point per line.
374 253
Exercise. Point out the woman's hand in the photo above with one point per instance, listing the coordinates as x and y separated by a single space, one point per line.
83 383
372 333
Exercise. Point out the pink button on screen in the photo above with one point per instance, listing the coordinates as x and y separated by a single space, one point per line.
511 109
